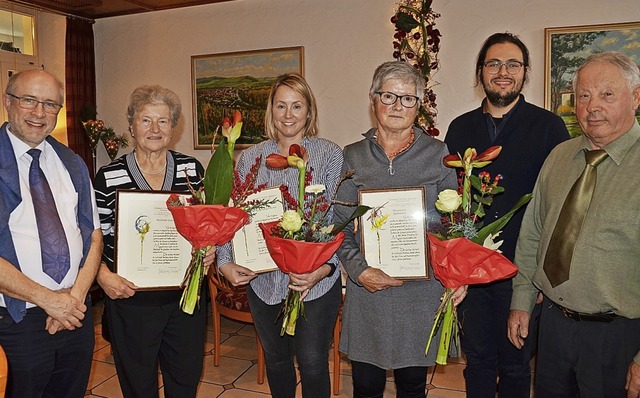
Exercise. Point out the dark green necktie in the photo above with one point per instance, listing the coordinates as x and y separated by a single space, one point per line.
557 261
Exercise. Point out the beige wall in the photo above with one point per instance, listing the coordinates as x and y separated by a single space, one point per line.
344 41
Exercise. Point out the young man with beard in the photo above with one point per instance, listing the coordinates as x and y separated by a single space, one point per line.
527 134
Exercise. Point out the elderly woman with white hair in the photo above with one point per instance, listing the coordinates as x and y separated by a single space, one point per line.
148 328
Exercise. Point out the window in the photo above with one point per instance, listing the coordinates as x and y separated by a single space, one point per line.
17 33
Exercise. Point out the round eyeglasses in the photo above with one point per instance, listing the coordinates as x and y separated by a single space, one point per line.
493 67
389 98
32 103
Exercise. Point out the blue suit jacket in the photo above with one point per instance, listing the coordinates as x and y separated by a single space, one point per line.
10 198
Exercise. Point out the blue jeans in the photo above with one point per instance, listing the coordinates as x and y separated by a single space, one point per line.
310 344
490 354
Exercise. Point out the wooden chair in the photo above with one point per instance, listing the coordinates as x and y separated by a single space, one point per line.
336 343
336 351
231 302
4 370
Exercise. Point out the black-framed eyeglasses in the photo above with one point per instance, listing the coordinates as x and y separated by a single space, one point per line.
493 67
32 103
389 98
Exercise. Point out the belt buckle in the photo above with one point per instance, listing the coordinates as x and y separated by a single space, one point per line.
569 314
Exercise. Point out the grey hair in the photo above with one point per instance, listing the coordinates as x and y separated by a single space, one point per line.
154 95
627 67
16 77
397 70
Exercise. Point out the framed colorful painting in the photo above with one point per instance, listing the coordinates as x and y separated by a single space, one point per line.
224 83
566 49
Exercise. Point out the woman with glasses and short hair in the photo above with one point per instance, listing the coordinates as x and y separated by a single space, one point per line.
386 321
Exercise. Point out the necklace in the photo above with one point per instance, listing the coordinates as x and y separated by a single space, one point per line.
404 148
151 173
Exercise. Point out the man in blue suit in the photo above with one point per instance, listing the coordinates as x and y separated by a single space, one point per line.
46 328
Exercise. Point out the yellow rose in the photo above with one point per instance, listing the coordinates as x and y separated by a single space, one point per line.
291 221
448 201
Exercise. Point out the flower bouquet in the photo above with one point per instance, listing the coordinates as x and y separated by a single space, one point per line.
94 129
211 216
463 251
302 240
98 131
113 142
416 40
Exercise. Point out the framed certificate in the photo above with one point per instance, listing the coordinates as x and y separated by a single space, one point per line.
149 251
249 247
393 236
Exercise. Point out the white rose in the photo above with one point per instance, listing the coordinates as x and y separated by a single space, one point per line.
315 189
448 201
291 221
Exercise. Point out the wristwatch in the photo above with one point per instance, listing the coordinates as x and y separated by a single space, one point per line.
333 269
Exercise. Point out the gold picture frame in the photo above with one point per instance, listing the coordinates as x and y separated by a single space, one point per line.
567 47
226 82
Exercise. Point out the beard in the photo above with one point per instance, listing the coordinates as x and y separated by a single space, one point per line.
501 100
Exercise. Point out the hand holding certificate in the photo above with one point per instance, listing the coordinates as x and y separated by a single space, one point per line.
249 247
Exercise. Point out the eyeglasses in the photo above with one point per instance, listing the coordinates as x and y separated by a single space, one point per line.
493 67
389 98
32 103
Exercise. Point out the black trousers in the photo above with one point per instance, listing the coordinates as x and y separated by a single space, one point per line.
490 354
44 365
583 358
144 336
369 381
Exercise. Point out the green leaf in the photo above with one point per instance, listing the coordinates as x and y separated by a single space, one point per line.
475 182
406 22
498 224
218 179
497 190
485 200
358 212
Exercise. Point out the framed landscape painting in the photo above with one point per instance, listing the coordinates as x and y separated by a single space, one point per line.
224 83
566 49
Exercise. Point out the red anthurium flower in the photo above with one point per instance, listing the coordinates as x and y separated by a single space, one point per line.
468 162
230 129
277 161
237 117
490 154
471 159
298 156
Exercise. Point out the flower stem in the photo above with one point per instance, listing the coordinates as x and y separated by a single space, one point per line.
302 176
446 332
446 319
193 281
292 309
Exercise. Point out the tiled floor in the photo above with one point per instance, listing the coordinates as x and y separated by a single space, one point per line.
236 375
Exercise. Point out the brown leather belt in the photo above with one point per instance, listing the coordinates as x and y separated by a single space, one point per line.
581 316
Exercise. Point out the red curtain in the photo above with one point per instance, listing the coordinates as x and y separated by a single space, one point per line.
80 83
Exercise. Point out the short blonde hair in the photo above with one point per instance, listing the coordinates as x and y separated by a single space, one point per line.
300 86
